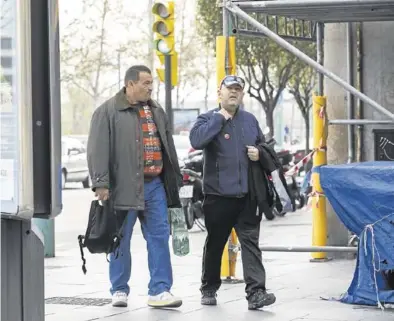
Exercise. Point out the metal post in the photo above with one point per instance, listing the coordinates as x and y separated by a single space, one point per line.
267 248
361 86
299 54
47 228
168 90
360 122
320 57
350 98
226 21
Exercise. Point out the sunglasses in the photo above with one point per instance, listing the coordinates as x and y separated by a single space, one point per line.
233 80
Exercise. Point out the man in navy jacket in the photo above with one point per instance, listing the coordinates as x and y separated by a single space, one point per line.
228 135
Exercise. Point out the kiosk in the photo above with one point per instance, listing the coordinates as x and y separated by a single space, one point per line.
30 157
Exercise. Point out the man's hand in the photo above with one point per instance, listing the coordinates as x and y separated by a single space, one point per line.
102 193
253 153
225 113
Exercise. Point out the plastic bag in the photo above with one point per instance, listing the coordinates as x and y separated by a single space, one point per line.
180 234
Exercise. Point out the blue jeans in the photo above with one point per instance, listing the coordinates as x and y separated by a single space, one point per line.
156 231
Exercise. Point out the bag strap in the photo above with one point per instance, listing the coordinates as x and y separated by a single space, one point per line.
81 246
118 235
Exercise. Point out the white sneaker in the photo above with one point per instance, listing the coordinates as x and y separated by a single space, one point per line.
164 300
119 299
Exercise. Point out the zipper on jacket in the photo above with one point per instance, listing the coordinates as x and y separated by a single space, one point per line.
217 173
238 158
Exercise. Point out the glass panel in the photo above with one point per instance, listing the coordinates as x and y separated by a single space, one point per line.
8 105
16 149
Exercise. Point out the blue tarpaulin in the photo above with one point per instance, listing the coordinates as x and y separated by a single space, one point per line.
362 195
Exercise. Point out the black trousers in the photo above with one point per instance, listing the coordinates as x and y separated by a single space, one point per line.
221 215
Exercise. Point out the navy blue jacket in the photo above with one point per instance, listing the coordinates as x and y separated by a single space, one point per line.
225 154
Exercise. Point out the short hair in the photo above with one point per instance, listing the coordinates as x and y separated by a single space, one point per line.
133 73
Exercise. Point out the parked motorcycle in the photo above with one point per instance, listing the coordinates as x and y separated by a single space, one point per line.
190 194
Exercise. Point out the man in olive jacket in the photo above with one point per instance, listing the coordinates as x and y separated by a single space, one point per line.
132 160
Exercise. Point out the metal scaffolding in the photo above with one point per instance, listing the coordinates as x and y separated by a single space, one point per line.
235 8
317 12
287 28
323 10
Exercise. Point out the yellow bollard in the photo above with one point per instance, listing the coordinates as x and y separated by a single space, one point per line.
319 215
227 45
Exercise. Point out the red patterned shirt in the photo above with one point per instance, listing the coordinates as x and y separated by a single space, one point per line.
153 158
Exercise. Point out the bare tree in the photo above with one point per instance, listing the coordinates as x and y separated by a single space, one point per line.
5 14
75 117
267 69
88 64
206 72
188 52
301 85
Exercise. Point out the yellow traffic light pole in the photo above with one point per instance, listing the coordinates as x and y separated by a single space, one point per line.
226 64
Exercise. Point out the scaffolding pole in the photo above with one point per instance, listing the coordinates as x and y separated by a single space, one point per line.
360 122
299 54
307 4
342 249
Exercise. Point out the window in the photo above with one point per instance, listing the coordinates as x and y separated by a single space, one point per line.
6 62
6 43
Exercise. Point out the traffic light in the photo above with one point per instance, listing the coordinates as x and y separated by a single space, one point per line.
163 27
164 43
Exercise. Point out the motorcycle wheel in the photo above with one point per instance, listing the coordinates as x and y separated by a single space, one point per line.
197 210
300 201
189 215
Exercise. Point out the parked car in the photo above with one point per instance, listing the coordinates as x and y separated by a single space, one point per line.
74 162
284 155
82 138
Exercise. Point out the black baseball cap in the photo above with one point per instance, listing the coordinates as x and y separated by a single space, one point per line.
232 80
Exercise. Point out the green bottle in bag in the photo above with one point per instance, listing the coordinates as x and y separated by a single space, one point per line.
180 234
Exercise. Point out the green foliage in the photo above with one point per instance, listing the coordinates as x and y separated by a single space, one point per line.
267 68
209 21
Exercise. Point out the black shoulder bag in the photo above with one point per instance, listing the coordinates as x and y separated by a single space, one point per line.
104 230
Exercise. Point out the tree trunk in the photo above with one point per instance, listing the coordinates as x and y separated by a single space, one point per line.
307 132
75 122
151 57
206 95
269 118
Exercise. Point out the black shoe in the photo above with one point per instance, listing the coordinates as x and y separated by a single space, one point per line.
208 298
260 299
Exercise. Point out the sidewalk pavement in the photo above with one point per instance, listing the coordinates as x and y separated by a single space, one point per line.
298 284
